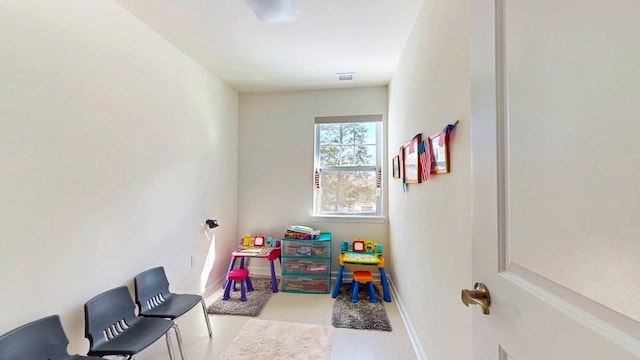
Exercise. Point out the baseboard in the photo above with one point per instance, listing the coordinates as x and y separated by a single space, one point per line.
413 337
212 287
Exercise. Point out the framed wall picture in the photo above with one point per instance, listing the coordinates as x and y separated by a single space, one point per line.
440 163
410 160
395 165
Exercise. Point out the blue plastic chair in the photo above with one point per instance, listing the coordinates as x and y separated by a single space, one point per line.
40 339
113 328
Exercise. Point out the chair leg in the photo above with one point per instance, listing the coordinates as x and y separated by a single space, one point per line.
169 346
179 337
227 290
354 296
372 293
206 316
249 284
243 291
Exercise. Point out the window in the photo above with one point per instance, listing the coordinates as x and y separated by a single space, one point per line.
347 165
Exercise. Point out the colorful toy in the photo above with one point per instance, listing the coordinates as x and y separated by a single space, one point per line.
362 252
258 240
358 246
246 241
369 246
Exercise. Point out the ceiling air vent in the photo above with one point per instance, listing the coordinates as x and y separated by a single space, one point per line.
345 76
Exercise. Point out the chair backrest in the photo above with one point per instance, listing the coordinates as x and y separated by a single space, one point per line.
39 339
152 288
108 314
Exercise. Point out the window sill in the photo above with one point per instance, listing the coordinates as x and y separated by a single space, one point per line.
349 219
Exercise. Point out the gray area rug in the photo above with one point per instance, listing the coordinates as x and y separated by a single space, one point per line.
256 300
362 315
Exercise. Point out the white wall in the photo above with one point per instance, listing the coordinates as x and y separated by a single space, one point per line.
114 148
429 225
275 179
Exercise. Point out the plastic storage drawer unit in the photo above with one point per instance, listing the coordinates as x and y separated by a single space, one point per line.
305 248
306 264
306 284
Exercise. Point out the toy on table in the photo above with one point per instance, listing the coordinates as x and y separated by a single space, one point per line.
259 241
302 232
258 244
361 252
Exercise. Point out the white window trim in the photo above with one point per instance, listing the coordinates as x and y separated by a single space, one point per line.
379 215
349 219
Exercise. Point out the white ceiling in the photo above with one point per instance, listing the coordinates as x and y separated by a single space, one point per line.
328 37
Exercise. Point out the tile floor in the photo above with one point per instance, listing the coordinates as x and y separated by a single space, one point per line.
292 307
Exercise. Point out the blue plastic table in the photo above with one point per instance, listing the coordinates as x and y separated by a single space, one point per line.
362 258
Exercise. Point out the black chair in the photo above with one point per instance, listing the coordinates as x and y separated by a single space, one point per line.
39 339
155 300
113 328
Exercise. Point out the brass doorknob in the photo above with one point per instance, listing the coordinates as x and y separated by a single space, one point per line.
479 295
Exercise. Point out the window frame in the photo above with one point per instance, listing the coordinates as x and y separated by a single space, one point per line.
377 121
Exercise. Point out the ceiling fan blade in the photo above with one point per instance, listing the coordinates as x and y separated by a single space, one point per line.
273 11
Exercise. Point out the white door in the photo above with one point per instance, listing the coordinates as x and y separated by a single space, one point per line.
555 124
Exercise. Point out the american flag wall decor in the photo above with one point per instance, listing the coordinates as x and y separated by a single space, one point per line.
420 158
446 131
410 160
440 149
425 158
